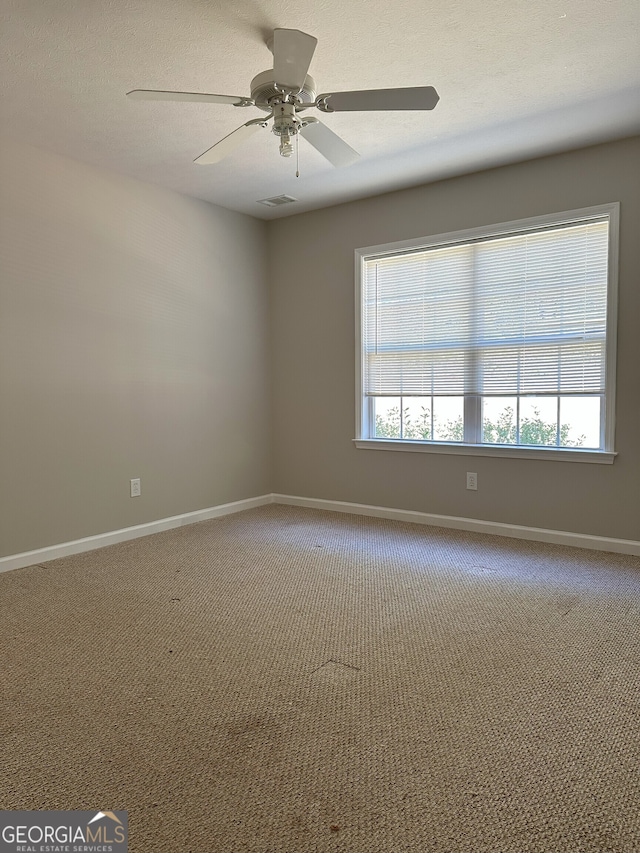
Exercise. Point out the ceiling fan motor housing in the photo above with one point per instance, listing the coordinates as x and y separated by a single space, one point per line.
264 88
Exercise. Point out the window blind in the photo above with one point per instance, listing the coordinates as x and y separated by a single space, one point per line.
522 313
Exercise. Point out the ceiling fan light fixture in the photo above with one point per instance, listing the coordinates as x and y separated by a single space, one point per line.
286 147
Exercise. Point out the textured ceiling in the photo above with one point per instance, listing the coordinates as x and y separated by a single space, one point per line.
516 79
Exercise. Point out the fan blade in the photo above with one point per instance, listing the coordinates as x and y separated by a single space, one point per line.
198 97
292 54
328 143
416 98
229 143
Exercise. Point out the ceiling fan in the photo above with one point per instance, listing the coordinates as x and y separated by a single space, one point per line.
286 92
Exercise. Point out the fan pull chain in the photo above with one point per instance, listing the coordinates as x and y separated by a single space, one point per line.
298 154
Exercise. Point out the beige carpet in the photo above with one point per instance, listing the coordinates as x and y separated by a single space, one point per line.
290 680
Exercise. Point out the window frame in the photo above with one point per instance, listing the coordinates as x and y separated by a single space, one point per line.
607 454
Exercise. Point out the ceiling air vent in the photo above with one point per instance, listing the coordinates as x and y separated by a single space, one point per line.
277 200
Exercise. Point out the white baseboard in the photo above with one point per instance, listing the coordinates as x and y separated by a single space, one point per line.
89 543
515 531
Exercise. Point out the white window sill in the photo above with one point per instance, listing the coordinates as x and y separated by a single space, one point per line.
551 454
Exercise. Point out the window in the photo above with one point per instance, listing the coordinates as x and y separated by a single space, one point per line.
498 340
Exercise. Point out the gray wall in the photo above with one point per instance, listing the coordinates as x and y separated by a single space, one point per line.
133 343
314 359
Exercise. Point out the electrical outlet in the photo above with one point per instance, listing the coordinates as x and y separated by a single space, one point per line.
135 487
472 481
